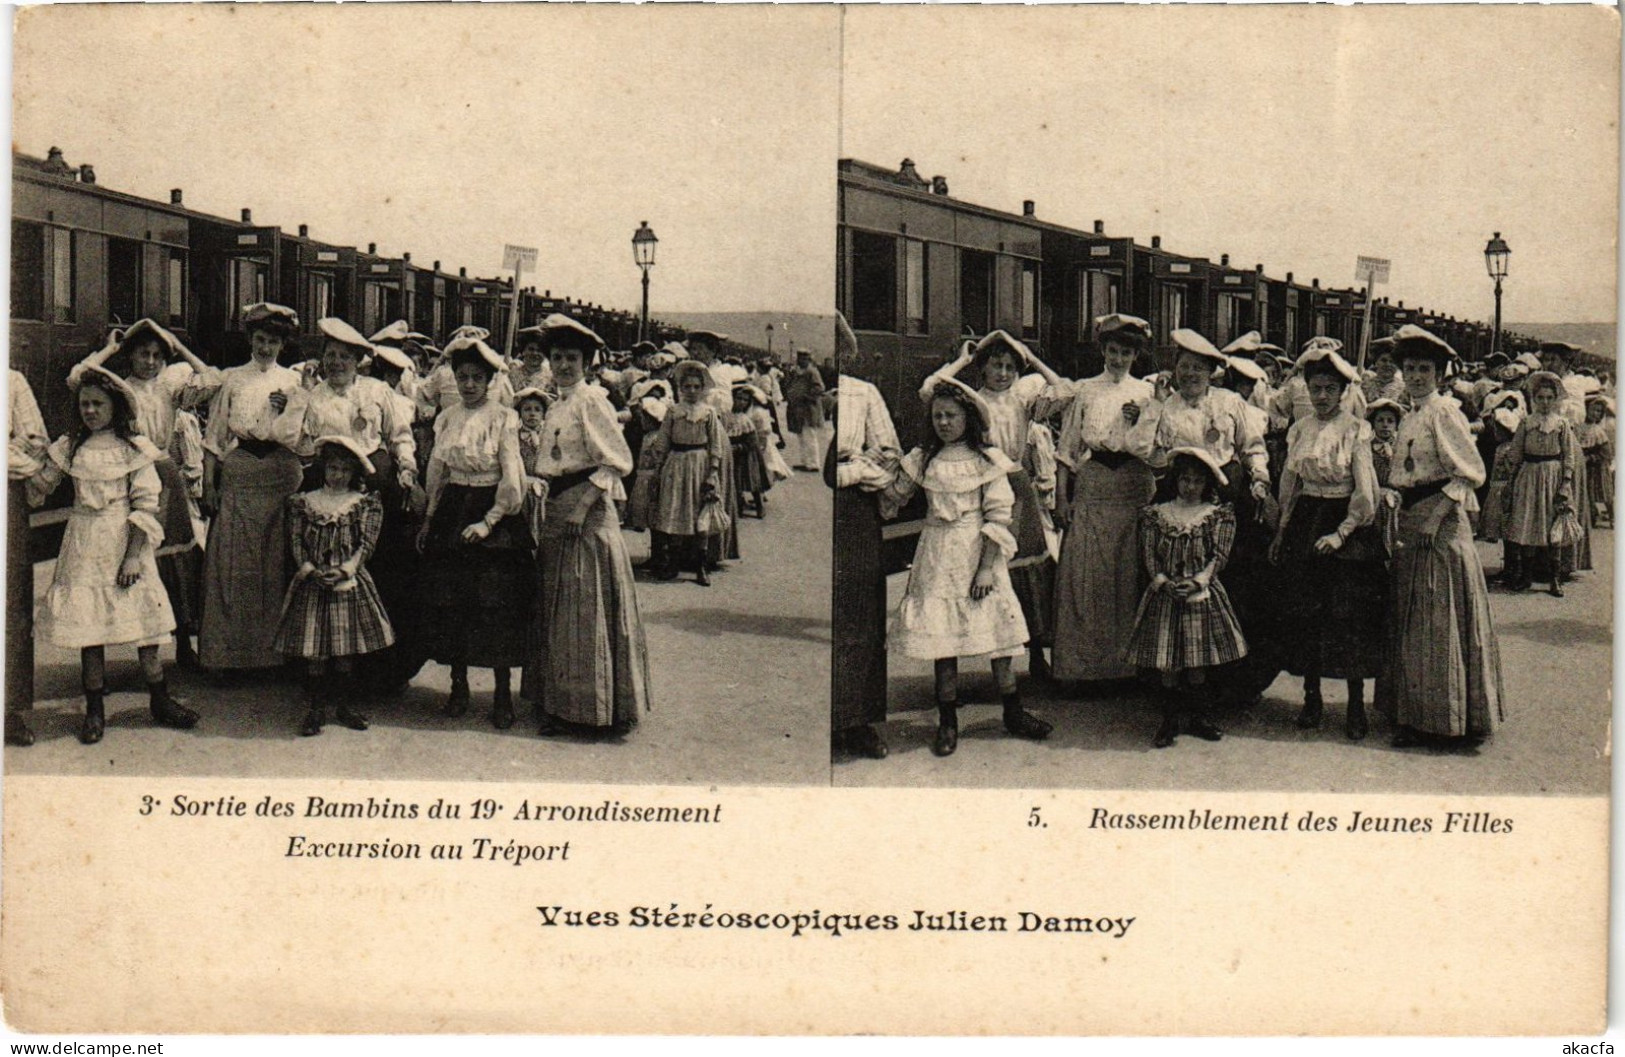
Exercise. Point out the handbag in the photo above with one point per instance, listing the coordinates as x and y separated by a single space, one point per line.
1566 530
712 519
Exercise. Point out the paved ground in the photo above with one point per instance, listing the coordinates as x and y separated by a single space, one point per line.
1557 659
740 673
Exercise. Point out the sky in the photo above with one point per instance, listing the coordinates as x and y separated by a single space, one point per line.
1294 137
450 130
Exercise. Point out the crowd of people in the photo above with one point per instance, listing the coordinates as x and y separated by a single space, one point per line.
386 503
1206 528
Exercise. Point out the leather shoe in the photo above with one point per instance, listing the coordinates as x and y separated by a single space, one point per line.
1166 733
353 720
1202 728
315 719
1313 709
947 740
866 741
1354 725
17 732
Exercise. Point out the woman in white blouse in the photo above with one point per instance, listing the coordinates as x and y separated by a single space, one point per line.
370 413
1198 415
1098 583
589 666
478 573
249 471
1442 676
1333 585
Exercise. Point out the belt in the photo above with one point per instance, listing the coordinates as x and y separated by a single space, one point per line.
257 448
1541 458
1112 460
566 481
688 447
1414 494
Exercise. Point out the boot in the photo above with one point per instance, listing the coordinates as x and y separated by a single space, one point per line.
185 656
315 708
947 739
90 732
1197 721
1514 577
1021 723
700 575
663 558
457 700
1169 730
346 714
1037 666
17 732
1314 707
166 711
502 706
1354 724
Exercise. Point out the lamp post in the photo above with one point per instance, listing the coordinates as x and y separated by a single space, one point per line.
643 251
1496 253
770 339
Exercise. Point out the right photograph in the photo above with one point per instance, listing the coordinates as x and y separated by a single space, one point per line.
1226 399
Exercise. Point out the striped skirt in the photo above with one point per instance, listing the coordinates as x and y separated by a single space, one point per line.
1442 669
588 663
246 565
319 623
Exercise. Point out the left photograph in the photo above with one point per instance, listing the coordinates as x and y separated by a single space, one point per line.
391 402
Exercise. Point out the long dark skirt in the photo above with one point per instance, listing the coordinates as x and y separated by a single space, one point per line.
1032 570
1332 606
476 598
396 569
246 565
858 679
19 602
589 662
750 472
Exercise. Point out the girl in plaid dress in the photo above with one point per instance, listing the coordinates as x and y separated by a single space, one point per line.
333 613
1186 623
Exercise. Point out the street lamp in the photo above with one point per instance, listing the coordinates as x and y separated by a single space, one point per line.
1496 253
643 251
770 340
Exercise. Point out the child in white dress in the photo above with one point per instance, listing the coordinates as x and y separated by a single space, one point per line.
959 601
106 589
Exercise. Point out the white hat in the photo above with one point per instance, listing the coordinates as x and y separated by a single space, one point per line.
1191 341
998 338
1384 404
1203 456
649 387
1247 368
1117 322
146 326
262 311
1412 341
1326 351
396 331
1320 342
392 356
341 332
99 375
976 399
610 378
1250 342
468 330
654 408
349 445
559 329
675 350
531 391
465 342
756 395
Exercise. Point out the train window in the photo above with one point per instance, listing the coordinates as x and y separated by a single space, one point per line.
124 280
64 284
468 313
175 278
439 314
874 281
372 306
1320 324
321 295
1029 299
27 270
976 270
1098 294
247 284
916 283
1170 308
1233 318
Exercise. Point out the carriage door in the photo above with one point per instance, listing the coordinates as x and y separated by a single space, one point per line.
976 297
123 281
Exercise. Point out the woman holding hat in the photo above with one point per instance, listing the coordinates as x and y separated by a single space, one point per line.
1015 399
333 612
105 590
1329 548
1098 582
1196 415
369 412
1293 401
249 471
1442 673
478 573
589 663
166 378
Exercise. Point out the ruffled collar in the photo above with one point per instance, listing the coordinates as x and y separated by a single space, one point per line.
1177 520
956 468
1551 422
104 456
326 507
692 412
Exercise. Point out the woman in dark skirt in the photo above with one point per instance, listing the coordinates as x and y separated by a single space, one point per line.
1333 582
479 577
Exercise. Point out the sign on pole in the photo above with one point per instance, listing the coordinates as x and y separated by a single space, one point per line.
518 259
1370 271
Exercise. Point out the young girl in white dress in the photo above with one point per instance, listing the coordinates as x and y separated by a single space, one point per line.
106 589
959 601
